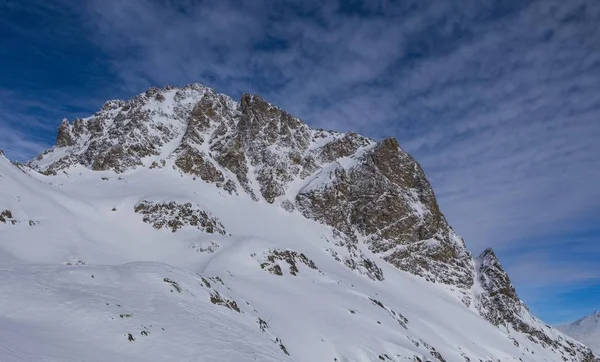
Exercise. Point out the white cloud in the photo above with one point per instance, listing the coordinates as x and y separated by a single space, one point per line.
499 101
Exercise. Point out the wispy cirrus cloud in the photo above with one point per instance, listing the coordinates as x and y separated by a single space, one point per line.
499 101
560 286
28 124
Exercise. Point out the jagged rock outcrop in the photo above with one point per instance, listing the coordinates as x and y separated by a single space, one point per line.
501 292
64 137
6 216
266 139
174 216
501 306
289 258
207 116
385 197
275 141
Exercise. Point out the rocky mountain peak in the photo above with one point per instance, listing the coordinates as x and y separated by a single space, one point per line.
488 253
586 330
500 305
64 137
382 194
373 198
364 189
124 134
494 279
593 318
261 121
368 192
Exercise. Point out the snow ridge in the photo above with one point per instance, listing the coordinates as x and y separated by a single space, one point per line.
586 330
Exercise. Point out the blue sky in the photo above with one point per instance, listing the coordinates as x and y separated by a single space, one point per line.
498 100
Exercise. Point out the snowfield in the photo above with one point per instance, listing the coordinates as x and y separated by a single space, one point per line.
586 330
84 278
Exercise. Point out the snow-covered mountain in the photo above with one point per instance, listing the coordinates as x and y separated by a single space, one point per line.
586 330
182 225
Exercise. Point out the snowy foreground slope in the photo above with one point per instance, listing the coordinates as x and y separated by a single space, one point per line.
586 330
184 226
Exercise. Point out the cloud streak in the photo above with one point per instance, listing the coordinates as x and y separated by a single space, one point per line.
499 101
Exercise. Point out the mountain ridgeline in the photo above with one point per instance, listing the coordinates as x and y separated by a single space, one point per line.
372 196
586 329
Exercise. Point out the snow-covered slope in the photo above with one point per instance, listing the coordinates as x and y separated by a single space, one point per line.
586 330
182 225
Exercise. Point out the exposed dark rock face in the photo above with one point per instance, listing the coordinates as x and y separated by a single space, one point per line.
353 257
64 137
121 134
215 298
343 147
387 198
175 216
232 157
265 138
501 306
270 134
193 162
494 279
290 257
6 216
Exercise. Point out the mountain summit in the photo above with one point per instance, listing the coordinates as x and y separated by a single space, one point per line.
254 148
182 224
586 330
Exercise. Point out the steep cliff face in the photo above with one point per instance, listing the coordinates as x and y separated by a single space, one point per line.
371 194
503 302
382 196
500 305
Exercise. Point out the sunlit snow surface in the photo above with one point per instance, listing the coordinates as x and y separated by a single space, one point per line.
80 271
586 330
